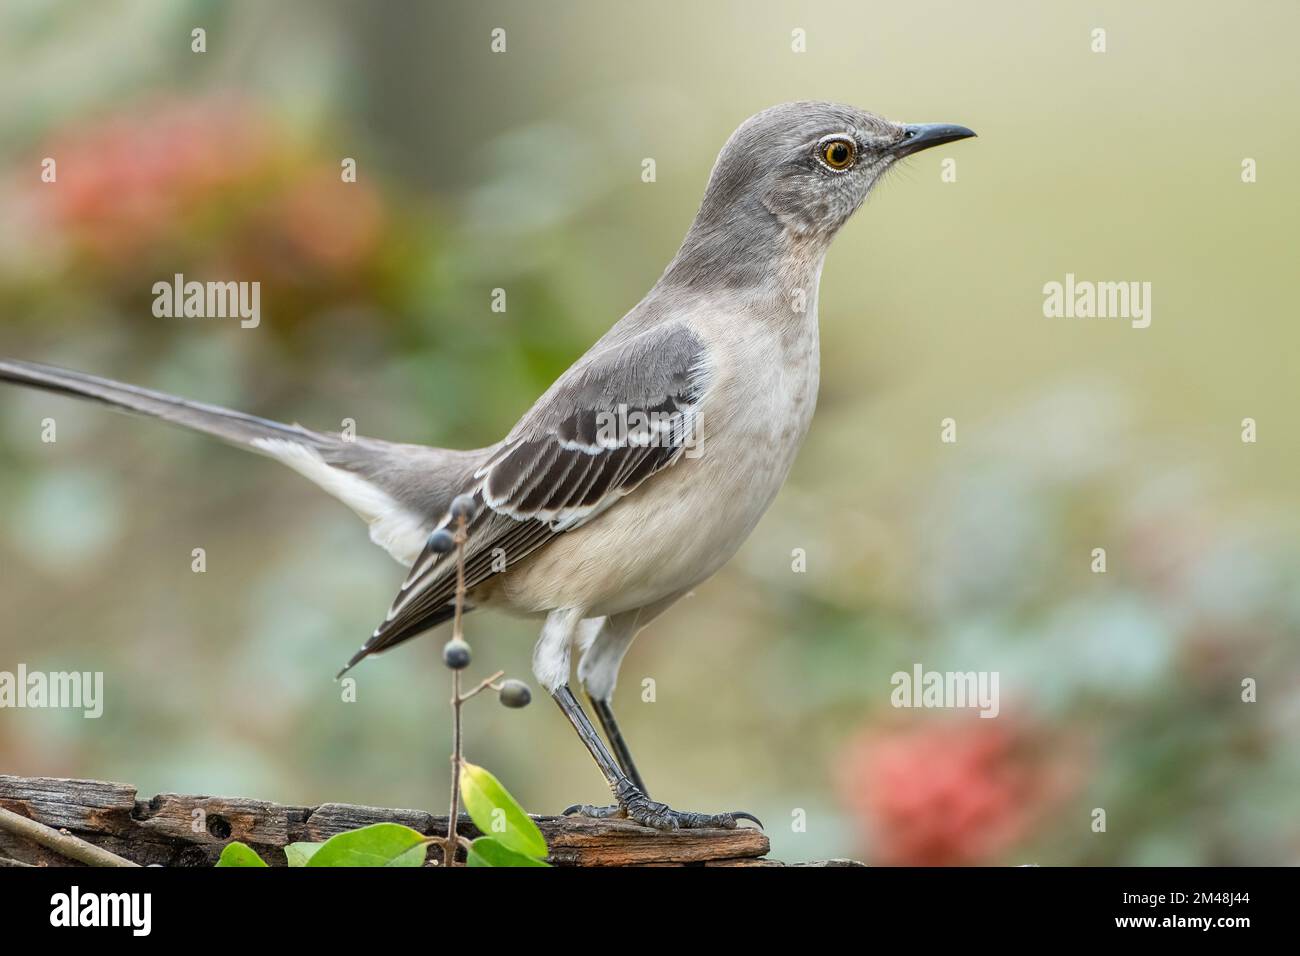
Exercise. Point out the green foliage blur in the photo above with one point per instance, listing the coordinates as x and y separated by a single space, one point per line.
377 845
769 689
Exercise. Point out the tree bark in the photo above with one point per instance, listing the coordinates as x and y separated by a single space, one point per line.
173 829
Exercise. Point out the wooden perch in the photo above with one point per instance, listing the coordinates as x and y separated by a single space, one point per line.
180 830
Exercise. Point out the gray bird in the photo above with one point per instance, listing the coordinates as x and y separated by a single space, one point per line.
645 466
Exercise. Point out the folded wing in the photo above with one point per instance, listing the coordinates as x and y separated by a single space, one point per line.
623 413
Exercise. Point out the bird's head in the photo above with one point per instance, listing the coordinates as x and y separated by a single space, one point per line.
797 172
810 165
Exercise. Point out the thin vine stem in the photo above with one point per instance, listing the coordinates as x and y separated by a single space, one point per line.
457 701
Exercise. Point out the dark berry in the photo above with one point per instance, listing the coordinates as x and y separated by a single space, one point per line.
515 693
455 654
442 541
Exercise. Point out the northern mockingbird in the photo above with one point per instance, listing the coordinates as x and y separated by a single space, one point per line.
647 464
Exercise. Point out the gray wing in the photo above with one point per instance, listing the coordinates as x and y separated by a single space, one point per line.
617 417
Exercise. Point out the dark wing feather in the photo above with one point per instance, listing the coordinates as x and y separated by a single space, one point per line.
618 416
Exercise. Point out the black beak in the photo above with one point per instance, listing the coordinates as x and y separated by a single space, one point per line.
924 135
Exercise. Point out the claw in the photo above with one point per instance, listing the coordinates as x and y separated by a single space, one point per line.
597 813
635 806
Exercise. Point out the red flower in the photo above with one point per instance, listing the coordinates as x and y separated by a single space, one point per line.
132 179
950 792
201 181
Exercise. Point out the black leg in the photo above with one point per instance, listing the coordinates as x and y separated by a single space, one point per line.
633 804
605 714
582 724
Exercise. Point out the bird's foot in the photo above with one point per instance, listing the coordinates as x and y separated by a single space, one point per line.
636 806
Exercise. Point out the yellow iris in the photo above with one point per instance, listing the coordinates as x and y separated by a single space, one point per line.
838 153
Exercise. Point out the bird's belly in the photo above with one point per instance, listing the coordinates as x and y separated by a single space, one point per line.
684 523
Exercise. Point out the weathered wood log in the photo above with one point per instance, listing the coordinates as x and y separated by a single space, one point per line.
181 830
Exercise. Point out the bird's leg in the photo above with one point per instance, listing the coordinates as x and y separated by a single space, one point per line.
605 714
632 801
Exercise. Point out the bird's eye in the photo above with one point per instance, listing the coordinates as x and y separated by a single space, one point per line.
838 153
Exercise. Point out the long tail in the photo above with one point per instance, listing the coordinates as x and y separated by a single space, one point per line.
400 490
231 426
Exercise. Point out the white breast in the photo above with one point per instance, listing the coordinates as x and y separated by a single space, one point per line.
683 524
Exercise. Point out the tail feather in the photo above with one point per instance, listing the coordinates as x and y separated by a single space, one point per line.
401 491
231 426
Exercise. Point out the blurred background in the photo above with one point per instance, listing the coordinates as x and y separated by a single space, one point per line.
522 170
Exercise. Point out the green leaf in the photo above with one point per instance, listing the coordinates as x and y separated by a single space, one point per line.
299 853
380 844
239 854
486 851
497 814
